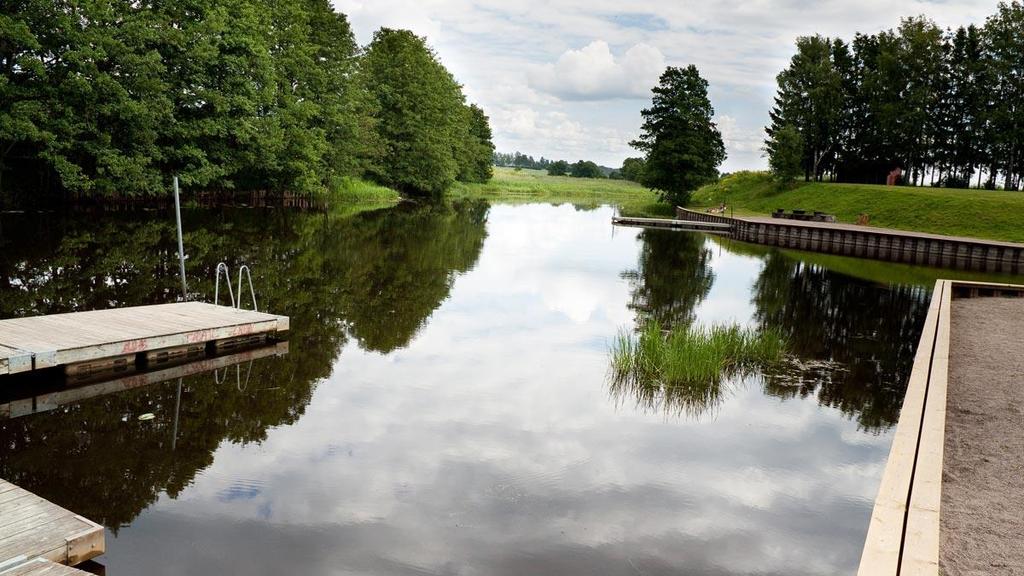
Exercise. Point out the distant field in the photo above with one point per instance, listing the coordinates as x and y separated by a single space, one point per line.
520 186
990 214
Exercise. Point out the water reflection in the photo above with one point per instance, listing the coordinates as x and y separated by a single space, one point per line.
863 336
443 406
673 274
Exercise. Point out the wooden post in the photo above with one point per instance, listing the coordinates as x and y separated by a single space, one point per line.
181 245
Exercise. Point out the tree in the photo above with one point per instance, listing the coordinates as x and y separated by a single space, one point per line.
632 169
810 99
558 168
476 151
682 144
1004 52
785 153
420 113
585 169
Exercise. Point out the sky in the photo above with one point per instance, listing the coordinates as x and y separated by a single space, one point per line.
567 79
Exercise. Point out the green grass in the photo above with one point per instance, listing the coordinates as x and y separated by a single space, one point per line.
352 195
681 370
510 186
992 214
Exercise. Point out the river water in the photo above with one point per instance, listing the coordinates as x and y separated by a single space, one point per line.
445 405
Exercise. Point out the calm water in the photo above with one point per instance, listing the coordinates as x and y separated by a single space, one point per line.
445 409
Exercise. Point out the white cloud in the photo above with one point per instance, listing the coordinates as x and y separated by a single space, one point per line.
595 61
593 73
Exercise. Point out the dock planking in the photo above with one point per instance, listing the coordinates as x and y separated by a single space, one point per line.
37 342
39 567
32 527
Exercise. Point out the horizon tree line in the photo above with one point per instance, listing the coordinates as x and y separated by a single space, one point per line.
944 106
110 98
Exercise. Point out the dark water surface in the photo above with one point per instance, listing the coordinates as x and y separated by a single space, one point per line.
445 408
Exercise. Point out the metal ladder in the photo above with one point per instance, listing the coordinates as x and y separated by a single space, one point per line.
231 293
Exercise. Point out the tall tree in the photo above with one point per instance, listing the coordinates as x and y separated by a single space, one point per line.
419 112
1004 51
682 144
476 150
810 99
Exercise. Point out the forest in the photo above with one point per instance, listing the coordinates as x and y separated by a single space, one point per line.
111 98
943 106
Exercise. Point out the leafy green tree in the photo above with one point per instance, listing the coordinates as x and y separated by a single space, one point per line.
785 151
682 143
632 169
810 99
585 169
419 112
558 168
476 150
1004 52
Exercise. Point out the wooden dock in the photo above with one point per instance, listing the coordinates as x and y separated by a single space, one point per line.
32 528
85 342
713 227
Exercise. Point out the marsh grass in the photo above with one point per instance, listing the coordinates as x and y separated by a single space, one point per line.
682 370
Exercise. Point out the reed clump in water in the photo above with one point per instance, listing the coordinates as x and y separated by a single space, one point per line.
682 369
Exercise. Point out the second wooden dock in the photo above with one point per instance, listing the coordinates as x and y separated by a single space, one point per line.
86 342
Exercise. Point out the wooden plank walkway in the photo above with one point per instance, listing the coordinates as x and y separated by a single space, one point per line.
39 567
903 536
47 401
32 527
79 337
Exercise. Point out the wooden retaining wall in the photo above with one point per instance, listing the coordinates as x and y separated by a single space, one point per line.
874 243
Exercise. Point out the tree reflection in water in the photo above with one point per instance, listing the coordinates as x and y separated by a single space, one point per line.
852 341
374 278
860 335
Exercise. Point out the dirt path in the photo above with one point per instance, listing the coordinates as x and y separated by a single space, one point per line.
982 517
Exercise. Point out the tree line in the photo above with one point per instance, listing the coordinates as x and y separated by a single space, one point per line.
102 98
946 107
578 169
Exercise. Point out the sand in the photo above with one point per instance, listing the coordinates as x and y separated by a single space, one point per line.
982 516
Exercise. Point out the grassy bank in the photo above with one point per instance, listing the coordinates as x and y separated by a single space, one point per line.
990 214
351 196
511 186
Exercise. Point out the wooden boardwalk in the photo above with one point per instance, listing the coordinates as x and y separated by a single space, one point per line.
32 527
124 336
903 536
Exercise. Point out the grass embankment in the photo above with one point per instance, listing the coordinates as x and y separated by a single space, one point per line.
992 214
682 369
510 186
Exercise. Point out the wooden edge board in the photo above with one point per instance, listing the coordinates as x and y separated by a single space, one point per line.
921 539
85 545
881 554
